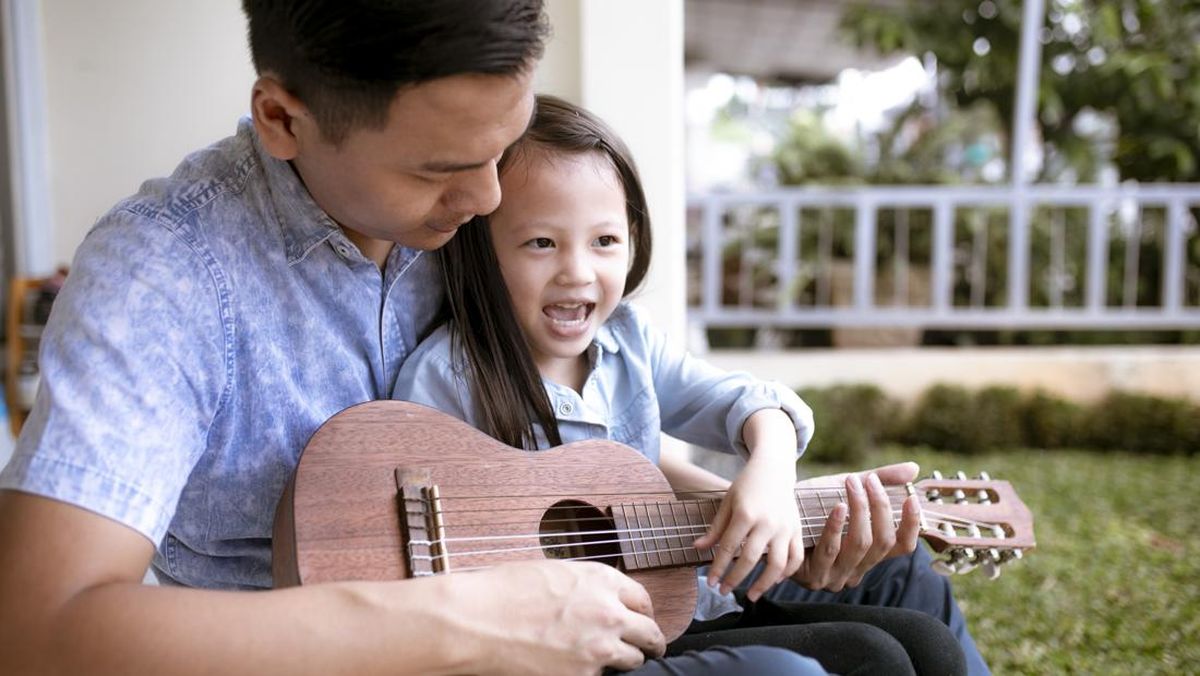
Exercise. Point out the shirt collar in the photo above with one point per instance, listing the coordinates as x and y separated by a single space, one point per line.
302 224
606 339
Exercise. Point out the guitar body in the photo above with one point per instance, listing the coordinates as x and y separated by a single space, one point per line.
346 516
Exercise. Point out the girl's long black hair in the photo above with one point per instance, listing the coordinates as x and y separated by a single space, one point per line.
505 383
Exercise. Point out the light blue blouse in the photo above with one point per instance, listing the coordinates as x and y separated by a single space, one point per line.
639 386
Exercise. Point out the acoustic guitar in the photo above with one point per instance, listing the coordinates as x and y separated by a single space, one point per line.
390 490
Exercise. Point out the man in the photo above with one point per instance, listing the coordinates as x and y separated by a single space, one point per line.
216 318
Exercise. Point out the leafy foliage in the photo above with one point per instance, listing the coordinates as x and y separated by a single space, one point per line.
1134 62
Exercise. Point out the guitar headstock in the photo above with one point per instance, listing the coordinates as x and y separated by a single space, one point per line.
973 522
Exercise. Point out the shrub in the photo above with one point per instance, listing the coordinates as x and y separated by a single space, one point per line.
998 418
1052 422
944 419
1142 423
850 421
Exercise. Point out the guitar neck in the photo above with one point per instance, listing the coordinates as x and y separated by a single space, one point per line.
659 534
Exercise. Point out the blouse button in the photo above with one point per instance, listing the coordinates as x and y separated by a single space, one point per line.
565 408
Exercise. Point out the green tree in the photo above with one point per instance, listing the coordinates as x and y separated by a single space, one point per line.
1134 63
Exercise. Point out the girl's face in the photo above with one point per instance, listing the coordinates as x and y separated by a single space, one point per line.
562 238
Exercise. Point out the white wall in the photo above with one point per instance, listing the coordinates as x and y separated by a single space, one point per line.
131 87
134 85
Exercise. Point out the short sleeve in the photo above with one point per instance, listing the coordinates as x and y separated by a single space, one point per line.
708 406
133 365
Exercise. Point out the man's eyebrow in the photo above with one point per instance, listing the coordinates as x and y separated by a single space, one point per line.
451 167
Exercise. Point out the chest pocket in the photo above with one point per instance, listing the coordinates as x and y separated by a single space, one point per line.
636 420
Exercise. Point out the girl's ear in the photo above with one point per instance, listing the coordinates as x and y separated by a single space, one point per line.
283 122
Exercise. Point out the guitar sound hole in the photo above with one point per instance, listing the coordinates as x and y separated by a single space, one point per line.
576 530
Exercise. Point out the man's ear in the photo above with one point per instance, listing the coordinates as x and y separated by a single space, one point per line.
282 120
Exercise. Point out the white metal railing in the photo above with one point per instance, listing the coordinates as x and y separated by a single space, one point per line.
749 265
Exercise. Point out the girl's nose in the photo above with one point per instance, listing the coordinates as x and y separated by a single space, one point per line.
576 269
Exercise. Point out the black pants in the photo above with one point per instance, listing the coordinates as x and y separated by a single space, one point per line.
845 639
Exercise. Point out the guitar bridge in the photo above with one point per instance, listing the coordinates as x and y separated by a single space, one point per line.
421 523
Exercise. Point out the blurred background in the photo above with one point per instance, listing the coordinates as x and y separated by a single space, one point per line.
964 230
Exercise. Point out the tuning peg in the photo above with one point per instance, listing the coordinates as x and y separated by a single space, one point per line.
991 569
943 567
991 564
984 476
936 475
1011 555
965 561
961 475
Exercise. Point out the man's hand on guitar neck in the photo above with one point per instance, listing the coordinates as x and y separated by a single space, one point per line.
841 560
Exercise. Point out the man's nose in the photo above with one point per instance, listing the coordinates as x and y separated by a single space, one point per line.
476 191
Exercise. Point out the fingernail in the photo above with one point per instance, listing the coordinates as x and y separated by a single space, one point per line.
855 483
874 479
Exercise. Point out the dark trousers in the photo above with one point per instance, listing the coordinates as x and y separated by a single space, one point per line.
901 582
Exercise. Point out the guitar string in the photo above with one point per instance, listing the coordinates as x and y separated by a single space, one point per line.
895 506
446 497
664 535
636 540
689 527
634 553
891 491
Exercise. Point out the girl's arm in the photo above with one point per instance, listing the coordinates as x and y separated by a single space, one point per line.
688 479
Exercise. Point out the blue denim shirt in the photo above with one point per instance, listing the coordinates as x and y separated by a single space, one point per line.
209 325
638 387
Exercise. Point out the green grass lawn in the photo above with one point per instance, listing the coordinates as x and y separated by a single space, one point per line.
1114 585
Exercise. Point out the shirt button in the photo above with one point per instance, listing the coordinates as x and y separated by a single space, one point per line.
565 408
342 249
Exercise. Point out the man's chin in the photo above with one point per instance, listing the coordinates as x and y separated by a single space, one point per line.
429 239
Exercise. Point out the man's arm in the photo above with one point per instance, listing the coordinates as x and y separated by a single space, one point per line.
71 601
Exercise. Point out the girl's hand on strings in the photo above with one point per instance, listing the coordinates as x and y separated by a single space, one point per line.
758 516
844 554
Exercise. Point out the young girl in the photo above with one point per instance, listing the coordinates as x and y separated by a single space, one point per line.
540 350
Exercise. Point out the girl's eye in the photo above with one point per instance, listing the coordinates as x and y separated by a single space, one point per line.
606 240
541 242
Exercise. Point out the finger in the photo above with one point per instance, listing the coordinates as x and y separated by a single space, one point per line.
777 563
644 635
795 554
883 530
826 552
751 551
910 527
719 524
731 545
898 474
633 595
624 657
858 535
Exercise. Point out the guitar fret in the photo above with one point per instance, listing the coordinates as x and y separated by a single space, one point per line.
685 530
687 513
804 525
666 541
650 535
710 515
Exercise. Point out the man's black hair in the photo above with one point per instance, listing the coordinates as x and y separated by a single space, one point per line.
347 59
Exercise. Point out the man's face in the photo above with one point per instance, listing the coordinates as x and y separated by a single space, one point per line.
429 170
